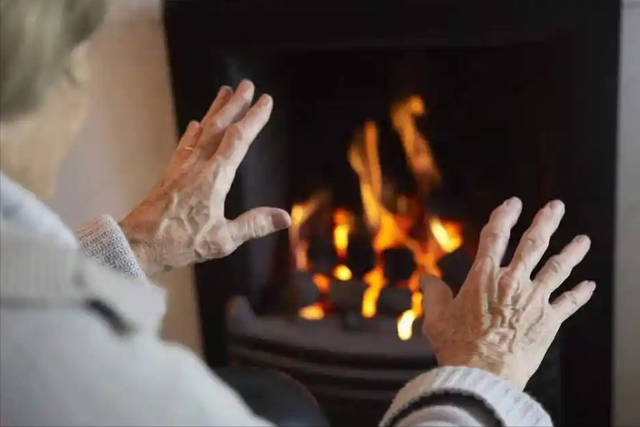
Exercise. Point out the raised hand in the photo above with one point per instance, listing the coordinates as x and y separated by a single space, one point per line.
502 320
182 221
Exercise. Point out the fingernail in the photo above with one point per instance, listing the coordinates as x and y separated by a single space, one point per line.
556 206
281 220
582 239
265 101
513 202
224 89
244 85
591 286
193 127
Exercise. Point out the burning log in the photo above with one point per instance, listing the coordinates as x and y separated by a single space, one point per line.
346 296
322 255
394 301
302 291
399 265
355 321
361 257
455 267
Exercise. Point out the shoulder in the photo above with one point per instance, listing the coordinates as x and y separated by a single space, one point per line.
76 365
80 347
40 273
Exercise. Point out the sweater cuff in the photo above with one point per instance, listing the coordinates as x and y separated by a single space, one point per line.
104 241
510 405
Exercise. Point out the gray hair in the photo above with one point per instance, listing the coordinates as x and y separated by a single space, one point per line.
37 38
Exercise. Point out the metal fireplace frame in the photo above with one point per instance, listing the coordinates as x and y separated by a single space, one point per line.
198 30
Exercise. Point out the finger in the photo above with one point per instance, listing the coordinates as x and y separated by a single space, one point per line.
436 296
215 128
184 152
190 136
495 235
571 301
257 223
535 240
222 98
240 136
558 268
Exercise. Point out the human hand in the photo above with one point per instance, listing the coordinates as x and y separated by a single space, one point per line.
182 221
501 321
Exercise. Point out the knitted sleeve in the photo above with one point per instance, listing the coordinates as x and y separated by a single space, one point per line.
460 396
104 241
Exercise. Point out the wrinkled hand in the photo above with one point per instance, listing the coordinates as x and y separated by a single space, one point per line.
501 321
183 221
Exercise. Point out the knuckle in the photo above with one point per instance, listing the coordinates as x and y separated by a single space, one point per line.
572 300
216 125
534 240
236 132
258 227
556 264
575 301
493 234
506 280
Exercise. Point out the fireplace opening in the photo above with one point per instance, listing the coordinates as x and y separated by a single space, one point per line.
397 128
395 159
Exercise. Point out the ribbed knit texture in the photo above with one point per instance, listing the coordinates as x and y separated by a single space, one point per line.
512 406
104 241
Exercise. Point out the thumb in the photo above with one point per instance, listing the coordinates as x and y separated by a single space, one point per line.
437 296
258 222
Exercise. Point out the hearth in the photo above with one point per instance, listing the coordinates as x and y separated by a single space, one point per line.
397 127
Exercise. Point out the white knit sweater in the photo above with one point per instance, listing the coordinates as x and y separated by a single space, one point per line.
66 360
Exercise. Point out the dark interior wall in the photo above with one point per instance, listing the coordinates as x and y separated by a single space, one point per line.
203 55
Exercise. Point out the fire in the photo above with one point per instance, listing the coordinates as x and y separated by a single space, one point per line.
389 229
300 213
343 225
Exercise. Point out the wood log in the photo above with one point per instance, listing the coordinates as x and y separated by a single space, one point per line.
355 322
322 255
360 255
399 265
301 291
394 301
346 296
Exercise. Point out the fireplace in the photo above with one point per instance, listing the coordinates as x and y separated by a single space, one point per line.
397 127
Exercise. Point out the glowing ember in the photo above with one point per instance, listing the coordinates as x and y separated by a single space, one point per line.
342 272
388 229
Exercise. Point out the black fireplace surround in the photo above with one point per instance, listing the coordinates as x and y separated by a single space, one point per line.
522 100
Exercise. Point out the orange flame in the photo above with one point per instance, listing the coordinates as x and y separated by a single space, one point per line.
387 229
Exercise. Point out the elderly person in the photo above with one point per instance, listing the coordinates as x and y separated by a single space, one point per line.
79 318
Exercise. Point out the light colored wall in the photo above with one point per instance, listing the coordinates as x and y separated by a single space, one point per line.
627 281
130 136
128 140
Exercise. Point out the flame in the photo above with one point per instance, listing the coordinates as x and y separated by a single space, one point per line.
322 282
364 159
343 224
342 272
312 312
388 229
416 147
300 213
